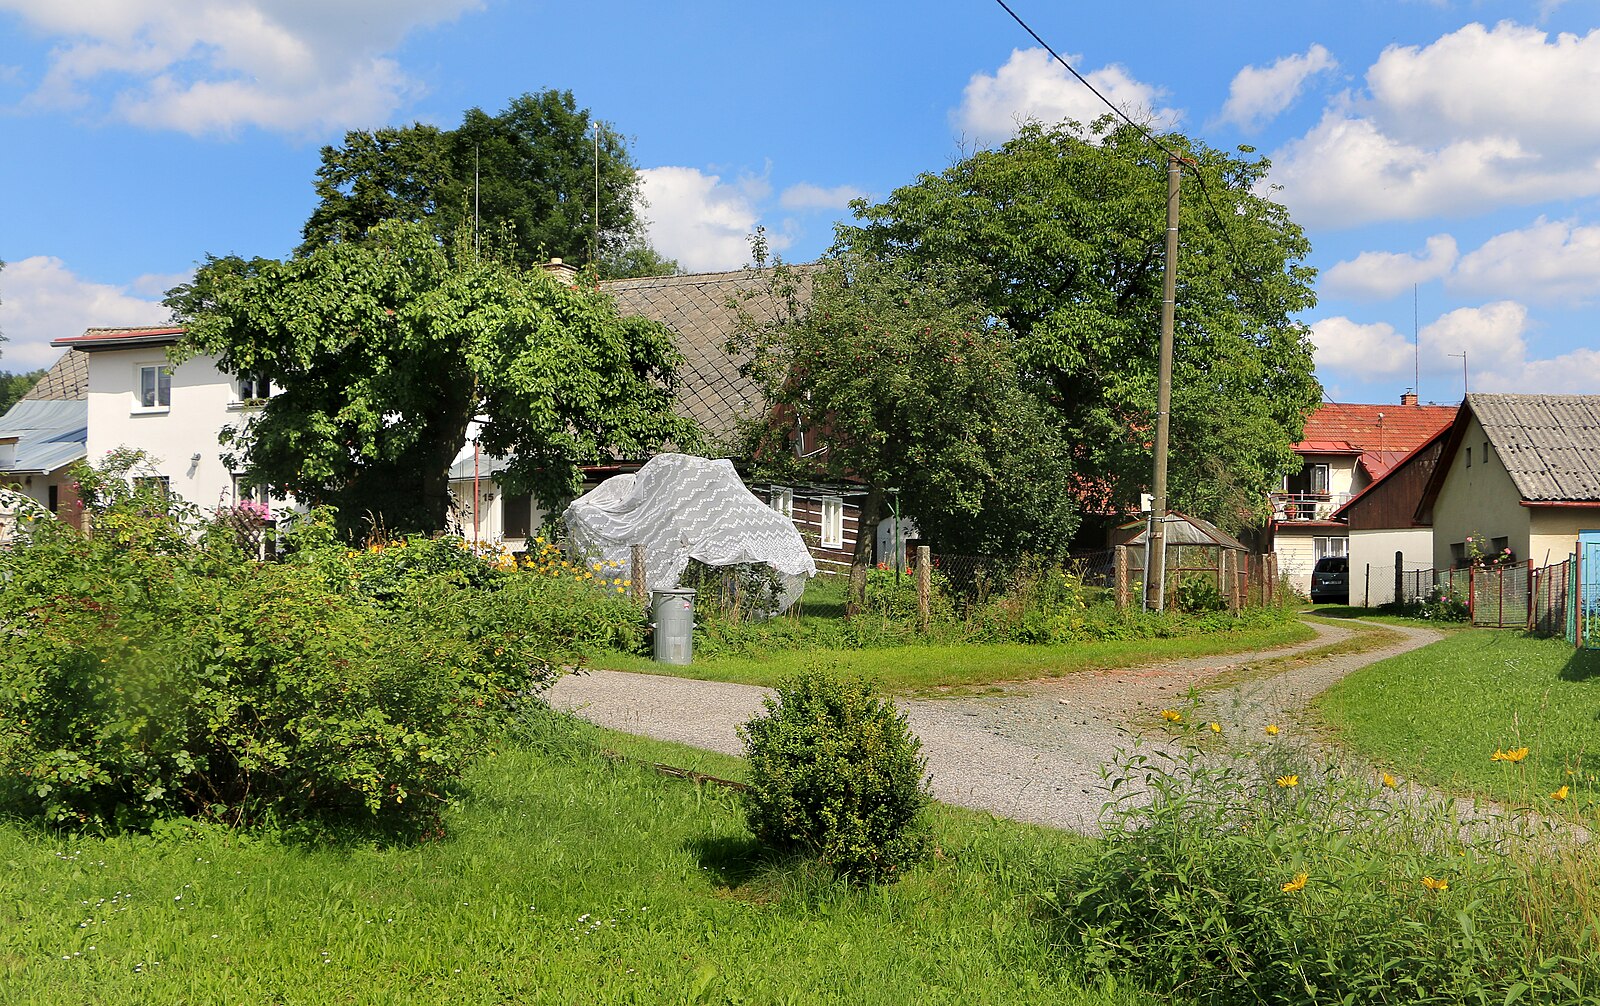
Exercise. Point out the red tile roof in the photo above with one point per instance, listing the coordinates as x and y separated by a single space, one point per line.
1375 429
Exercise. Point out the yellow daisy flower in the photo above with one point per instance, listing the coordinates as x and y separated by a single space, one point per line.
1288 781
1272 729
1171 715
1298 883
1436 884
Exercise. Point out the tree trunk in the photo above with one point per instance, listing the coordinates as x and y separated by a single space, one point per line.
866 539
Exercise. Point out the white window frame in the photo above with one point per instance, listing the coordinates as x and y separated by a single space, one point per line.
261 389
161 483
257 494
160 369
833 523
1325 548
782 500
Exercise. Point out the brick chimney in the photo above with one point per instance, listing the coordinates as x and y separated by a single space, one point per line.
1408 398
562 272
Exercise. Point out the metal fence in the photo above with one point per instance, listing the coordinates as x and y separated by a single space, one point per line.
1521 596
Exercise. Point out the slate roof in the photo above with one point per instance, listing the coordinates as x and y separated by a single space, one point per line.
711 390
50 435
1549 444
66 381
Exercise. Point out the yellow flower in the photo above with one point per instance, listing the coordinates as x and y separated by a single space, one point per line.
1272 729
1388 780
1560 794
617 582
1171 715
1296 884
621 590
1513 755
1288 781
1216 728
1439 884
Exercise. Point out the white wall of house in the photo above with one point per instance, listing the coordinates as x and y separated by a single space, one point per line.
1478 498
1372 560
1553 531
179 438
492 521
1299 548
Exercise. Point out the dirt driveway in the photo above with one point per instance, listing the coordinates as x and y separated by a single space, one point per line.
1032 751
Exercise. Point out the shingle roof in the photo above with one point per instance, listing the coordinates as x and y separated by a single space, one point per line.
50 434
67 381
1549 444
711 390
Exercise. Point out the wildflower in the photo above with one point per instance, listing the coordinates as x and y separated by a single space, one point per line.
1513 755
1296 884
621 590
1436 884
1216 728
1560 794
1388 781
1272 729
1288 781
1171 715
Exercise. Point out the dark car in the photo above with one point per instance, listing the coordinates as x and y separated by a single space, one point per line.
1330 580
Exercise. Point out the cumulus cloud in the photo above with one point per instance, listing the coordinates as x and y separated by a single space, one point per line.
1032 85
1375 275
215 66
1481 118
805 196
1259 94
700 220
41 299
1366 351
1550 260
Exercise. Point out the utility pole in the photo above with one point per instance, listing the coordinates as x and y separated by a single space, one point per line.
1155 587
594 251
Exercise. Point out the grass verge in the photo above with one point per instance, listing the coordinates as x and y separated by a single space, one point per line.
1438 714
911 668
565 878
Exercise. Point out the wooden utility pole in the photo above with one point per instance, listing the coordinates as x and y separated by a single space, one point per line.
1155 586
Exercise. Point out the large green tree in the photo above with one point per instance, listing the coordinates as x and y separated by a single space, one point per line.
1060 232
386 349
914 389
531 168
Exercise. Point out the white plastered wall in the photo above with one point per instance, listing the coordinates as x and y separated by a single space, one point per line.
1372 560
1478 499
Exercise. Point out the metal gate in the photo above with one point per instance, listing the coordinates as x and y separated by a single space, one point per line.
1588 594
1500 597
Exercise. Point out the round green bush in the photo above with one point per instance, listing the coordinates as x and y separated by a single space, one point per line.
836 773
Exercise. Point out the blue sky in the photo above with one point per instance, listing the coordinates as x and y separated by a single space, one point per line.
1450 145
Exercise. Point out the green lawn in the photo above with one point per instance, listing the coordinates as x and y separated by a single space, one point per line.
1438 714
563 879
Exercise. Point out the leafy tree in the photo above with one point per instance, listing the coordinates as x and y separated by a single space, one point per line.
917 390
530 168
14 386
1061 235
387 349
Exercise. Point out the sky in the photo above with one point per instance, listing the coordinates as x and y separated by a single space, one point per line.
1443 156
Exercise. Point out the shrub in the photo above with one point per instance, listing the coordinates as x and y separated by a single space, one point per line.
739 592
1441 604
893 594
1198 594
836 773
1255 878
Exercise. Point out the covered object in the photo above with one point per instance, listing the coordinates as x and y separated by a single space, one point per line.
681 507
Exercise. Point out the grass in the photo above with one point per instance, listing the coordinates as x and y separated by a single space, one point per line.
1345 611
914 668
1436 715
1362 639
564 879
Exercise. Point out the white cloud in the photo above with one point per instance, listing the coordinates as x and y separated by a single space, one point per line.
1032 85
805 196
1374 275
1365 351
1550 260
215 66
1479 119
1574 373
1259 94
41 299
1491 336
700 220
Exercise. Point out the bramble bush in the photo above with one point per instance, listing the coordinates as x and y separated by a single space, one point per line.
153 670
837 774
1254 876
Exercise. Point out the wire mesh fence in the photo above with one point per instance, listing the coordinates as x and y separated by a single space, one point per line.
1538 599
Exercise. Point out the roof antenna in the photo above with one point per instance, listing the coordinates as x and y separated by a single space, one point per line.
594 251
1416 345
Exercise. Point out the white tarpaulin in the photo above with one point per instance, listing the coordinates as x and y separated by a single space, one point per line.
681 507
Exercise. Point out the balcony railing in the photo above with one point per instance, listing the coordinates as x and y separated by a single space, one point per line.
1306 506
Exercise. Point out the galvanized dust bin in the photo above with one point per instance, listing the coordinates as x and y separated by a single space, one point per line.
672 611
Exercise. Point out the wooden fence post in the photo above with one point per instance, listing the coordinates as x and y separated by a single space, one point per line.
1120 554
641 591
924 583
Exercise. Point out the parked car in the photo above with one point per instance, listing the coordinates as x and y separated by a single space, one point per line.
1330 581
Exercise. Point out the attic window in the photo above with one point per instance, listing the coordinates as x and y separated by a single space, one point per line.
1469 457
1486 452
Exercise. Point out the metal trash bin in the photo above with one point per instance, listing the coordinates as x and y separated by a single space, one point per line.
672 612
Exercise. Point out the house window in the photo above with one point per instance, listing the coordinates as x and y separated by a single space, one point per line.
833 523
518 516
161 485
55 499
253 388
783 501
155 387
1312 481
1486 452
243 493
1469 457
1331 548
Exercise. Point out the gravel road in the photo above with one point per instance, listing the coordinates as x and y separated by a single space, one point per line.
1032 751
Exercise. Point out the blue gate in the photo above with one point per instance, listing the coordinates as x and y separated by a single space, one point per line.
1588 593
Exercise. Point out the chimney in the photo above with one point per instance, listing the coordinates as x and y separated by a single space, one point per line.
1408 398
562 272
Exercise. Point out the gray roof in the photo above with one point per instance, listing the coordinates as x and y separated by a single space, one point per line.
1185 530
488 466
1549 444
50 435
711 391
64 382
